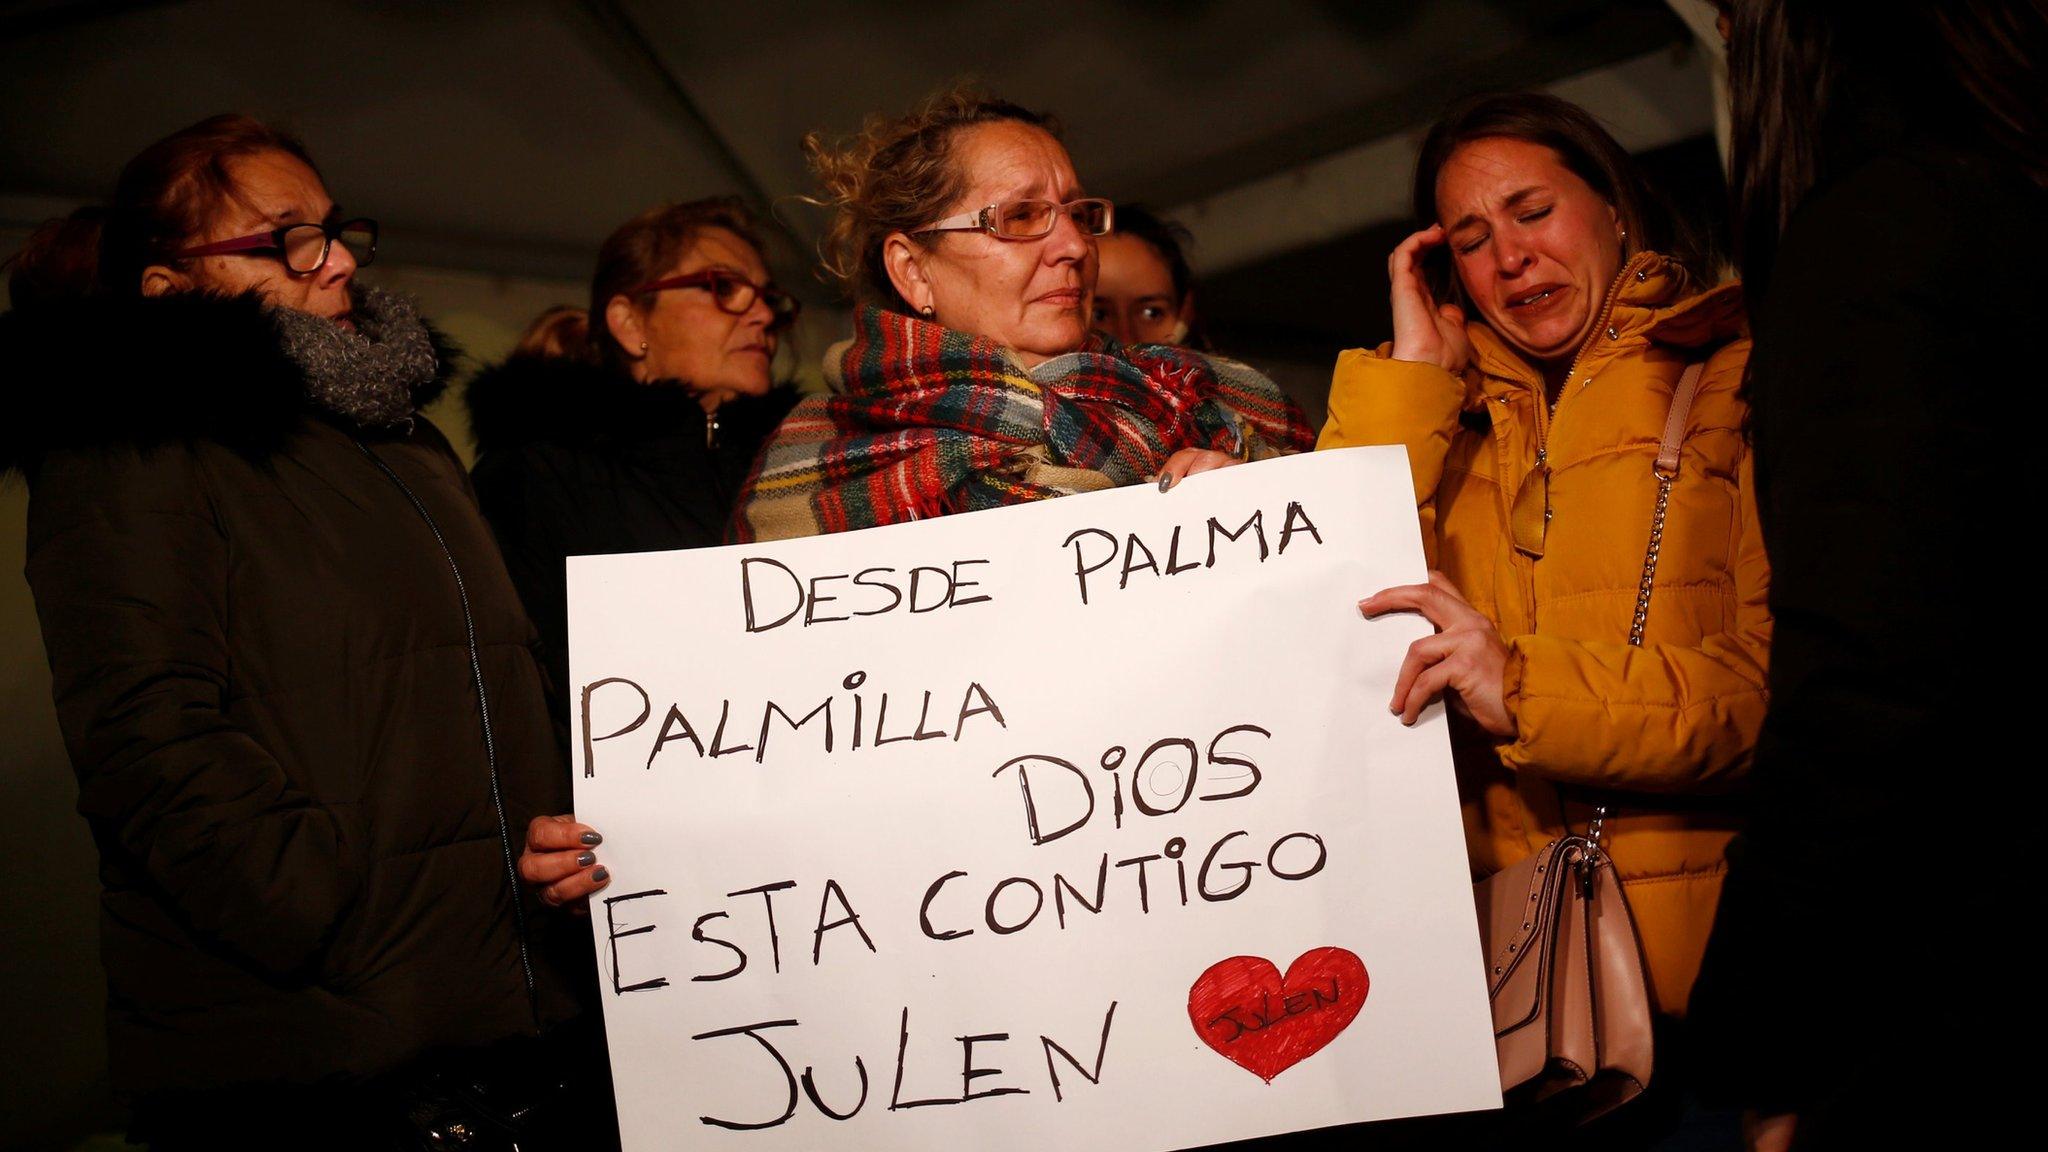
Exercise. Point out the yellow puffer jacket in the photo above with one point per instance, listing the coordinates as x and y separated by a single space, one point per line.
1661 732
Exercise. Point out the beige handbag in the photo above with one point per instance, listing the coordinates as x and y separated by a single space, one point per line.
1571 1001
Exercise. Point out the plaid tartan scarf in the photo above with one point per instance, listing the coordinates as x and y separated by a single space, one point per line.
924 421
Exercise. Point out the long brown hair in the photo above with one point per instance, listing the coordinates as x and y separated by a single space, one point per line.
163 199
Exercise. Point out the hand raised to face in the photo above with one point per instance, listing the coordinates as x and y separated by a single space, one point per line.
1425 330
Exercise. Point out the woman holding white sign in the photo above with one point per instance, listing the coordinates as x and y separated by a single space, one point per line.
1543 329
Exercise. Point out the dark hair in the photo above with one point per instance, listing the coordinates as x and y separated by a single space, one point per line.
1781 82
1798 68
896 175
561 331
163 199
1167 237
1585 148
1171 239
1995 51
648 245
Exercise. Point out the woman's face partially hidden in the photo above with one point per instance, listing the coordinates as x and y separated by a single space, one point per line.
1134 297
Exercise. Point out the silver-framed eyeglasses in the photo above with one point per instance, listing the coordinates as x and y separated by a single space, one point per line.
1030 219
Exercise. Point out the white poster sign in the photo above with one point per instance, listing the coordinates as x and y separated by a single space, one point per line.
1082 824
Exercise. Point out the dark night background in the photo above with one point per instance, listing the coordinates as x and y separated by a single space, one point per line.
499 142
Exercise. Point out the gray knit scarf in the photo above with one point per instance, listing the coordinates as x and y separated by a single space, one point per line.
366 377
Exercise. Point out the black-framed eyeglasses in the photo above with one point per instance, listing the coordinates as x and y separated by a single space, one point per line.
733 293
304 248
1030 219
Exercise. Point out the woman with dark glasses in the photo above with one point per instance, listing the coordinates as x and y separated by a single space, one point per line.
295 682
640 439
972 380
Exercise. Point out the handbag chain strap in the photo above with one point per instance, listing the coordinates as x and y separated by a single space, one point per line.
1666 469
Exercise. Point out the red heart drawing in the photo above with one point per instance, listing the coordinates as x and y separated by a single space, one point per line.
1265 1024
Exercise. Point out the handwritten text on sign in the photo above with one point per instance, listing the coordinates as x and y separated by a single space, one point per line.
1082 822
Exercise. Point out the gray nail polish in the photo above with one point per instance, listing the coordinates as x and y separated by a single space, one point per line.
1165 481
600 876
586 859
592 839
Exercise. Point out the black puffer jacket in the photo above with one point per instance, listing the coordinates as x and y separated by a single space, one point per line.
576 460
273 685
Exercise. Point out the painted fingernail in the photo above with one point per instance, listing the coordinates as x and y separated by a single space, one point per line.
1165 481
592 839
586 860
601 876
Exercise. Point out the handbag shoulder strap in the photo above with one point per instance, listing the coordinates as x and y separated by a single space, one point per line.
1666 469
1674 424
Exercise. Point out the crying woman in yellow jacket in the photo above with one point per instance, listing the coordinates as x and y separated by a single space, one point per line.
1532 429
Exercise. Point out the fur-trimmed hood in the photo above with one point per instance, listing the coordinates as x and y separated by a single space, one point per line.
559 400
147 371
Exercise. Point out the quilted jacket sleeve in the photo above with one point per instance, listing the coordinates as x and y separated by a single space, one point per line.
1378 400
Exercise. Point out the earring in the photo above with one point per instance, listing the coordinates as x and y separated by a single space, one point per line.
927 310
643 343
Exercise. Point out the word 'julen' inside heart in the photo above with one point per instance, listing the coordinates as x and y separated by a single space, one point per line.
1265 1023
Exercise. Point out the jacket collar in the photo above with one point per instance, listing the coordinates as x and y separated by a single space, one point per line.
560 400
142 372
1653 301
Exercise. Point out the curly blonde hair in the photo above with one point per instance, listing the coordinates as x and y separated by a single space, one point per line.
897 174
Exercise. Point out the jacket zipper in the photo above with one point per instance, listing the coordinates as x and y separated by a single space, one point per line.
1599 326
1546 407
476 674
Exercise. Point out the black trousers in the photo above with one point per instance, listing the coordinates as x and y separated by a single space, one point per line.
546 1093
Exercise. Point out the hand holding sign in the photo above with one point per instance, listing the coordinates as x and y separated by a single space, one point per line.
911 850
1466 659
560 862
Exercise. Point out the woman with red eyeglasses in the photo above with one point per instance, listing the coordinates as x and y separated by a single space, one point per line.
294 679
637 439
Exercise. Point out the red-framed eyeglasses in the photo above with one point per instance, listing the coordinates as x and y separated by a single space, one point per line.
304 248
733 293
